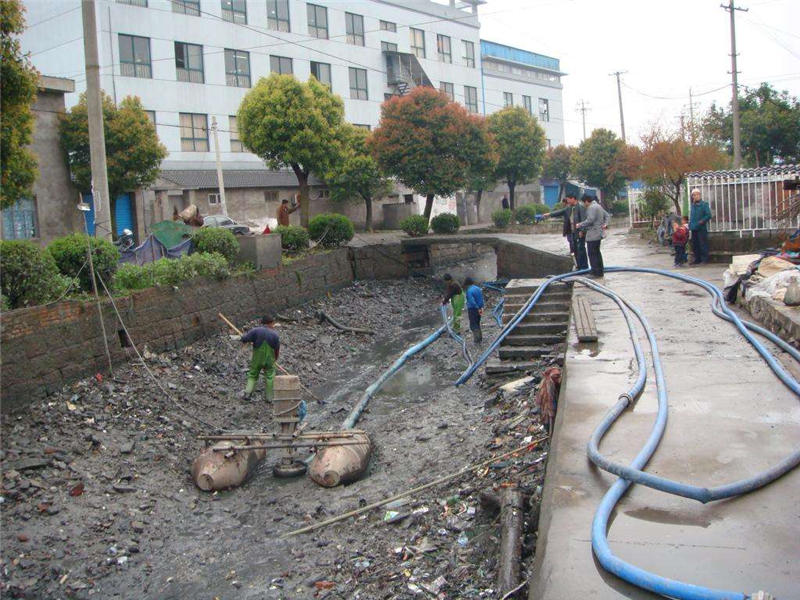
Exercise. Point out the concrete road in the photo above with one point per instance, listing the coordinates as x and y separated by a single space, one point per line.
729 418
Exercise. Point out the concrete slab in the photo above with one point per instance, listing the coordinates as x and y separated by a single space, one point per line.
729 418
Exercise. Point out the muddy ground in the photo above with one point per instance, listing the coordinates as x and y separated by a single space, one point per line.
97 499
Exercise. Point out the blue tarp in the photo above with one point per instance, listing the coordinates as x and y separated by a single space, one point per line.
151 250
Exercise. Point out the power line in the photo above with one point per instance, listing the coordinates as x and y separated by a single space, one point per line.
61 14
619 94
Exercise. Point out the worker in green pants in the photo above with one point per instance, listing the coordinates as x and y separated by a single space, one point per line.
266 348
455 295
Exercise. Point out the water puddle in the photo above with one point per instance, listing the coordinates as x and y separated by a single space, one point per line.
656 515
588 349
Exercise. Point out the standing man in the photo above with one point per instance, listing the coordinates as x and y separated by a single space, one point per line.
474 309
266 348
504 203
699 216
455 296
284 210
573 214
594 224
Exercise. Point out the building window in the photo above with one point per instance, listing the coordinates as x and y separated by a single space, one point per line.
322 71
133 2
469 53
549 143
471 98
447 88
236 143
388 47
544 110
151 116
354 25
270 195
278 15
388 97
363 126
194 132
237 68
213 199
317 21
358 84
134 56
281 65
19 220
234 11
443 48
508 99
388 26
189 62
527 104
187 7
417 42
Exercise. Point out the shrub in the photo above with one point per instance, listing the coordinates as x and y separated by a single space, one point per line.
28 274
445 223
331 230
526 215
619 207
502 217
216 239
69 253
172 271
293 238
415 225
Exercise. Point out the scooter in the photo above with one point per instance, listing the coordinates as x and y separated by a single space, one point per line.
125 241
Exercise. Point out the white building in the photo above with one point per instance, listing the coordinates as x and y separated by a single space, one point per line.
191 61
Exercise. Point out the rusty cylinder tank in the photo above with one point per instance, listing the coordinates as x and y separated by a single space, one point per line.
222 470
333 465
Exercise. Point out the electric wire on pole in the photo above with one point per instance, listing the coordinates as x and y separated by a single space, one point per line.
582 108
619 94
220 177
737 144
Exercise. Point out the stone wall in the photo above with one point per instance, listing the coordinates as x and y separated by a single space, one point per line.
45 347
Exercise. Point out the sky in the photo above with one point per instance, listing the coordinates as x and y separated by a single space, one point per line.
664 48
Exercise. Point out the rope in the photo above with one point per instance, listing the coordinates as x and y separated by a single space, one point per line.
144 364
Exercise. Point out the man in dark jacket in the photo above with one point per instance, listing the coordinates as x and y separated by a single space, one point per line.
573 213
699 216
266 349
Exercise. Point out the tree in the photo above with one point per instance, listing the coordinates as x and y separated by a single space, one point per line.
667 157
17 94
357 173
598 161
770 127
424 140
288 122
520 143
557 165
483 162
133 151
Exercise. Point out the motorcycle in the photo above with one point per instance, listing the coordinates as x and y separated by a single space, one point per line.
125 241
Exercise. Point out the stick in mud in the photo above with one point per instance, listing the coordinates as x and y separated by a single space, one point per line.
511 513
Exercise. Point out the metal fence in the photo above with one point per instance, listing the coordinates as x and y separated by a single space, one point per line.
636 216
748 200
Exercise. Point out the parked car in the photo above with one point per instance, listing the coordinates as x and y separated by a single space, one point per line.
227 223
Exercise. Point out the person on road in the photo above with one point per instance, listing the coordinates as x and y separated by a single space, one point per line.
699 216
474 309
594 225
266 348
455 296
573 213
680 237
504 203
285 210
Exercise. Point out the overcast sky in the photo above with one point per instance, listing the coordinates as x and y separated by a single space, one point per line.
665 47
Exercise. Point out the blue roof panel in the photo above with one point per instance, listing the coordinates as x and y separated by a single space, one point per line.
518 55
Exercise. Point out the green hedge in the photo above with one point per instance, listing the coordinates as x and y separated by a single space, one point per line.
331 230
502 217
69 253
28 275
171 271
415 225
216 239
526 215
445 223
293 238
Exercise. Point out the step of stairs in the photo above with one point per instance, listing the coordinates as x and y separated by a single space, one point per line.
543 305
525 328
500 367
525 352
561 316
548 296
531 340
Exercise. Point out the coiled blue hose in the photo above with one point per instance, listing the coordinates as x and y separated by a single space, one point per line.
459 340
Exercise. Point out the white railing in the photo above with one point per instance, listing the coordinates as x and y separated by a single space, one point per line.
747 200
636 217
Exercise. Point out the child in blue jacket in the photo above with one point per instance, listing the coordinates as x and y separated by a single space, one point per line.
474 308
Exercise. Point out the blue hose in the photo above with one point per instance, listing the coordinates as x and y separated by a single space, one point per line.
459 340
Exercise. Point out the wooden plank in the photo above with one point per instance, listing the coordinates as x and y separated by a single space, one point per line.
585 325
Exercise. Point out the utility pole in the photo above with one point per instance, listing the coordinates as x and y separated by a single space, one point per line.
97 138
220 180
619 94
692 130
737 143
582 109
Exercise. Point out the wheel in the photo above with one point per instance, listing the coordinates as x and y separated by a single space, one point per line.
294 469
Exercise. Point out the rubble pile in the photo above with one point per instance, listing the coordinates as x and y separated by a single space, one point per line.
97 499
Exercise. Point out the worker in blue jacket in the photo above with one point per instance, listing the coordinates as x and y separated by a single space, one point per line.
474 308
699 216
